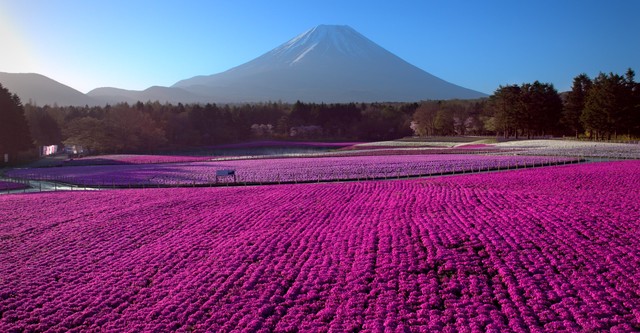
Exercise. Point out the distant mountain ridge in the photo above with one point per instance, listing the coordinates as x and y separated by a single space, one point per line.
155 93
41 90
328 63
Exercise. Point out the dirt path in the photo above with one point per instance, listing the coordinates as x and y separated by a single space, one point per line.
44 186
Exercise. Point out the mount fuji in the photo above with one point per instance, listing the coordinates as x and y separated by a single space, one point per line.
328 63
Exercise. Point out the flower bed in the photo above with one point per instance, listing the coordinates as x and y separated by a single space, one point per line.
257 144
574 148
132 159
9 186
379 151
544 250
282 170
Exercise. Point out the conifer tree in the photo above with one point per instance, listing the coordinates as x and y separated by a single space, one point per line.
14 130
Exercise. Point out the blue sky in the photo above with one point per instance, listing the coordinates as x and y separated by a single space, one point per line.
476 44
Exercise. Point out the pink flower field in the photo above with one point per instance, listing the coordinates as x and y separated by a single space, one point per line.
539 250
282 170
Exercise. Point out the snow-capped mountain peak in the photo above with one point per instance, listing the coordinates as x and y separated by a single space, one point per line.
329 41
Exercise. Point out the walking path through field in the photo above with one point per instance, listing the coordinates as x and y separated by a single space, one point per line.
50 186
43 186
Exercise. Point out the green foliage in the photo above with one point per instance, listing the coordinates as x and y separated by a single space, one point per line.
14 130
541 108
118 129
151 126
531 109
382 122
87 132
446 118
611 106
505 105
604 107
575 104
424 118
43 126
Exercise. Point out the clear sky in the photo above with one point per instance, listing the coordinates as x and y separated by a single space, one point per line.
135 44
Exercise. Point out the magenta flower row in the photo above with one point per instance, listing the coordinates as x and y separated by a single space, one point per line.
284 170
537 250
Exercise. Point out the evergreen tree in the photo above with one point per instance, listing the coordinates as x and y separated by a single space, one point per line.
531 109
506 105
632 102
14 130
606 106
575 104
550 112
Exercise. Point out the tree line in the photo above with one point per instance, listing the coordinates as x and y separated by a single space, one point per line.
14 130
605 107
153 127
602 108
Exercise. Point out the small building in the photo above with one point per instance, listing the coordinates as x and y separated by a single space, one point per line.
75 151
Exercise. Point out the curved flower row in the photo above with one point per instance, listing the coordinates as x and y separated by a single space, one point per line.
378 151
8 186
115 159
574 148
538 250
267 143
132 159
283 170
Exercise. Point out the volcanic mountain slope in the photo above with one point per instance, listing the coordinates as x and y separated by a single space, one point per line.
327 63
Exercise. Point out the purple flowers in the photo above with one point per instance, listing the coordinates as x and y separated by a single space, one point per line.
255 144
132 159
8 186
543 249
283 170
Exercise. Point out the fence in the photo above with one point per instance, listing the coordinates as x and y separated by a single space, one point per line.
41 183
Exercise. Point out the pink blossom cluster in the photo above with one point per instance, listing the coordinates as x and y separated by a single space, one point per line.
8 186
283 170
537 250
